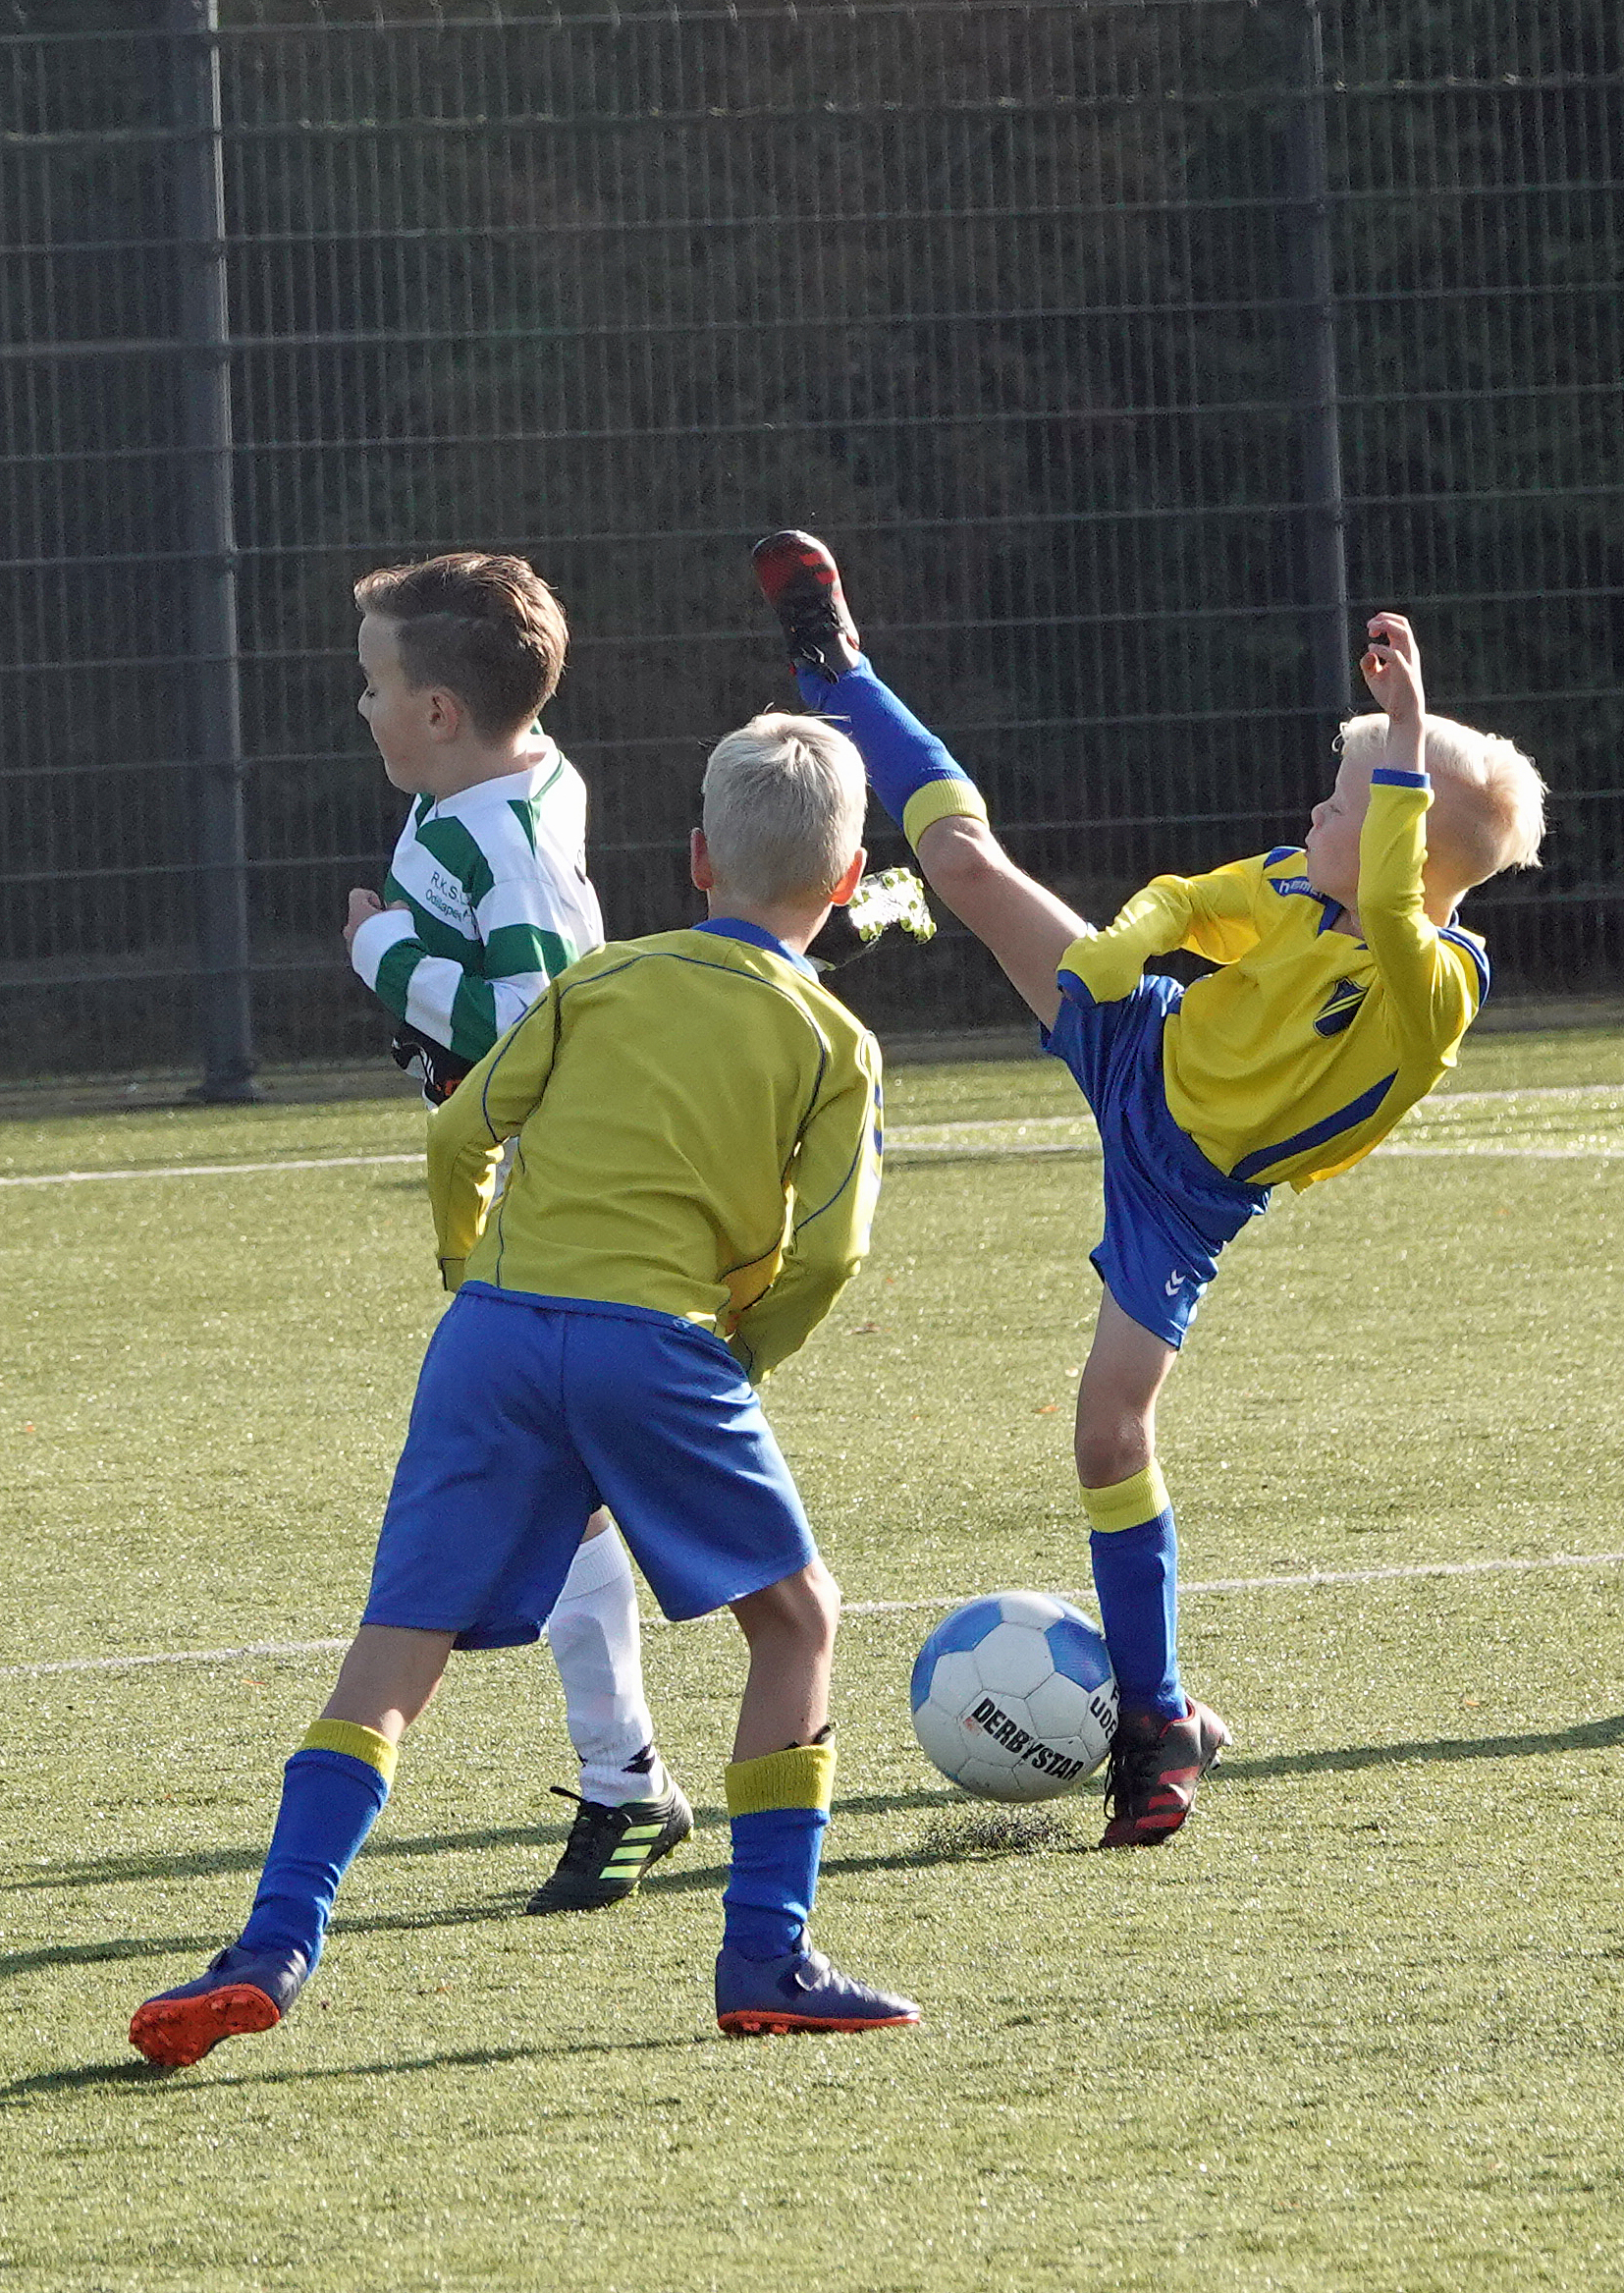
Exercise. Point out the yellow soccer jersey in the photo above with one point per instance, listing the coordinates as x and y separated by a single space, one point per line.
1302 1052
698 1133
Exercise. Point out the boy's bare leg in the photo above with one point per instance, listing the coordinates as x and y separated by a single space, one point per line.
1026 927
1126 1368
387 1678
789 1628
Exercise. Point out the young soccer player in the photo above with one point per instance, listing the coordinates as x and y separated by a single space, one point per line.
1343 990
698 1166
487 898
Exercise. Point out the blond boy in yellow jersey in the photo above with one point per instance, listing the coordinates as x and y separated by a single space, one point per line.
1343 989
698 1163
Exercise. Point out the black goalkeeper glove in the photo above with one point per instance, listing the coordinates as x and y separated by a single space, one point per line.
438 1069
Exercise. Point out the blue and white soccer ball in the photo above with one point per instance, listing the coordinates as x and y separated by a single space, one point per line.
1014 1698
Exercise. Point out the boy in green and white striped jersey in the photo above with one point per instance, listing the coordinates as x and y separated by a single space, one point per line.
486 899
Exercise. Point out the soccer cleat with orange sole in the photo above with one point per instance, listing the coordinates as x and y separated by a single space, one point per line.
241 1993
801 1990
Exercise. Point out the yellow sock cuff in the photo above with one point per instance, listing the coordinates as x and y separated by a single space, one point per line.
360 1743
802 1777
1125 1504
942 799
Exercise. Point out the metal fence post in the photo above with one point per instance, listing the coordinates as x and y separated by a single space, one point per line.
1323 562
215 710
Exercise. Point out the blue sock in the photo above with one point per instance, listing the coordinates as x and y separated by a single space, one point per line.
772 1879
1136 1582
901 755
330 1801
779 1806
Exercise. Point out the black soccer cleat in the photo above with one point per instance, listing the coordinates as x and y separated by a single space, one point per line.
801 583
609 1849
1156 1764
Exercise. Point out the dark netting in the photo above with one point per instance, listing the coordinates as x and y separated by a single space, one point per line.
1061 321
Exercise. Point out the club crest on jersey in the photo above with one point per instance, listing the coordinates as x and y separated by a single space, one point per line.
1339 1008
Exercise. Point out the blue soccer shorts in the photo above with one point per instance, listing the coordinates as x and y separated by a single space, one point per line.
1169 1210
532 1412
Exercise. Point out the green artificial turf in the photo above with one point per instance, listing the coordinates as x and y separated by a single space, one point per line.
1358 2027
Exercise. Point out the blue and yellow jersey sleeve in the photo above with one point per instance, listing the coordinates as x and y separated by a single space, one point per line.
1213 915
698 1135
1295 1060
1434 977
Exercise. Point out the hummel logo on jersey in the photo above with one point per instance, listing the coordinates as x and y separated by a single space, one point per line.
1174 1284
1339 1008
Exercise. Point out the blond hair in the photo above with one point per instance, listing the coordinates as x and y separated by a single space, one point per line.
783 810
1488 802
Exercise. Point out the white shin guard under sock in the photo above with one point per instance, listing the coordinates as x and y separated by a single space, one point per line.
597 1647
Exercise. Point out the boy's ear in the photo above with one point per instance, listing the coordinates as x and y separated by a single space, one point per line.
841 895
443 713
700 871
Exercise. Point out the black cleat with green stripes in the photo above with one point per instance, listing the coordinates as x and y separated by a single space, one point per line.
609 1849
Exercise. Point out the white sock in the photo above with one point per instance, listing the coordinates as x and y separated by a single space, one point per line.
598 1649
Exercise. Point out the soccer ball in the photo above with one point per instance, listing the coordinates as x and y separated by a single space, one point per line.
1014 1698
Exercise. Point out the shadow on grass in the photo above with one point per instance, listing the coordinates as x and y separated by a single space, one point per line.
1589 1736
221 1862
943 1843
110 2076
126 1947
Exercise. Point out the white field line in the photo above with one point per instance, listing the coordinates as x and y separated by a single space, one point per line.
940 1602
208 1170
1038 1134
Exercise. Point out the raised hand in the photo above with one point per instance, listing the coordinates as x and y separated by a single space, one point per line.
1392 668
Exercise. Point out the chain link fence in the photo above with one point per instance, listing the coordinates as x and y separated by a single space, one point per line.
1129 351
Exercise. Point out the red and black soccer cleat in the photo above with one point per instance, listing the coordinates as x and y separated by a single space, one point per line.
1156 1764
801 583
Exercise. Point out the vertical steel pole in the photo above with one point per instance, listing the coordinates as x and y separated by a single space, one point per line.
1323 575
215 712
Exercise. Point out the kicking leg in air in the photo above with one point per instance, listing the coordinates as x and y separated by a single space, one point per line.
1153 1267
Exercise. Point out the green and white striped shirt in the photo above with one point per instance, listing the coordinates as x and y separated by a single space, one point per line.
498 903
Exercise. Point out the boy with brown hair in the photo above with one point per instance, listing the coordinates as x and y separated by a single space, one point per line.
1343 990
486 900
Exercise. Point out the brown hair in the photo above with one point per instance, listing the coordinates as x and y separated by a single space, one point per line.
488 629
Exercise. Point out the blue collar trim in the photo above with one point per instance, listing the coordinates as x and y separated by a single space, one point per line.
733 927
